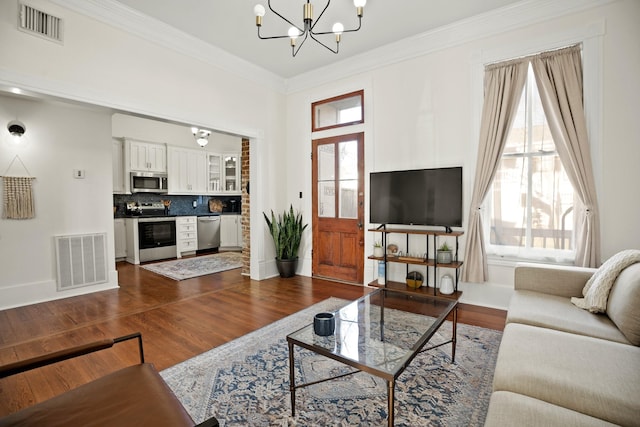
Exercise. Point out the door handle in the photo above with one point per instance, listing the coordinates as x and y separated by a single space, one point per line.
360 225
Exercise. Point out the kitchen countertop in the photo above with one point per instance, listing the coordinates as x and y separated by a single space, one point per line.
174 216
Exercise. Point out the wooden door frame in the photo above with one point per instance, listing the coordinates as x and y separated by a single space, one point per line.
359 221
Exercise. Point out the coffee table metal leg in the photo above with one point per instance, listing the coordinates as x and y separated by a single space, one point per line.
455 333
390 397
292 387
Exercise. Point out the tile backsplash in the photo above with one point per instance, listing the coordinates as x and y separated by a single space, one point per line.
180 205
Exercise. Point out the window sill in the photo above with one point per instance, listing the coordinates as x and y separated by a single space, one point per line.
511 261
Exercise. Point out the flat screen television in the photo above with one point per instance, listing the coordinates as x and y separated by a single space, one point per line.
417 197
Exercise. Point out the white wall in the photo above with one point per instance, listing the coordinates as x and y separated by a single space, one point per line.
424 112
59 138
99 64
420 112
124 125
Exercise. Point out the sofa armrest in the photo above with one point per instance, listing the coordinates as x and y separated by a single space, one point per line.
564 281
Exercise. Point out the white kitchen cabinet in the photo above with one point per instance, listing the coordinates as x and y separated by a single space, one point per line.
131 227
187 171
120 238
186 235
230 232
223 176
146 156
117 164
231 170
214 172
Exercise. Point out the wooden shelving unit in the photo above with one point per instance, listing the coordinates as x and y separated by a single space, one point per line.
429 260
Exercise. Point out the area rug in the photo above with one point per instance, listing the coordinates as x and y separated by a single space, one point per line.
187 268
246 382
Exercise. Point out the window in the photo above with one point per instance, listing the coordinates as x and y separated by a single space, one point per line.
343 110
530 205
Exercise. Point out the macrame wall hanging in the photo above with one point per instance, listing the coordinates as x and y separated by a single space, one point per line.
18 194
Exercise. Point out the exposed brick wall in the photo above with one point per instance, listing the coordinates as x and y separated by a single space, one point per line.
246 217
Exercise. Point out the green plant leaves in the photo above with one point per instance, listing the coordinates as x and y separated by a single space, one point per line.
286 231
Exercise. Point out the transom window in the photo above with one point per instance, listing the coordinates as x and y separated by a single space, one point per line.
530 205
343 110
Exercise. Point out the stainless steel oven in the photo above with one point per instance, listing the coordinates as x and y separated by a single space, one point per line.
156 238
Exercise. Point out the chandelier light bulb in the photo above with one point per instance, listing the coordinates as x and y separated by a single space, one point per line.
259 10
338 28
359 3
293 32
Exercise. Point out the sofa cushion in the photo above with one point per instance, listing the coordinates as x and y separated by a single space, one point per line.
595 377
557 312
512 409
623 306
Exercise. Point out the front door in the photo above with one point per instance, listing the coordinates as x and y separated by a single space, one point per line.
338 208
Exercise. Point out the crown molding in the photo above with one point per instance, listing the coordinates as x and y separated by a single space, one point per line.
117 15
517 15
508 18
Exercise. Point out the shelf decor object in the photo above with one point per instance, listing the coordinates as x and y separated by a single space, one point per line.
414 279
308 28
431 259
446 284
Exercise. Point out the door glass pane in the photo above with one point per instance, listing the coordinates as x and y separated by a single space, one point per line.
326 181
348 160
349 198
326 162
327 199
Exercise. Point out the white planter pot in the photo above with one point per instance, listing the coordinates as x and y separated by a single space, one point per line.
378 251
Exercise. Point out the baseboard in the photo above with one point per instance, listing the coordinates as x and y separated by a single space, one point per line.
37 292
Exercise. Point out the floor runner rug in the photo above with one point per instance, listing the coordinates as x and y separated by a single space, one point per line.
187 268
246 382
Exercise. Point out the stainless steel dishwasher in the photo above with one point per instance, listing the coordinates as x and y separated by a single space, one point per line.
208 232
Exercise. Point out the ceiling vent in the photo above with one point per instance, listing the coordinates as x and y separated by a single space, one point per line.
34 21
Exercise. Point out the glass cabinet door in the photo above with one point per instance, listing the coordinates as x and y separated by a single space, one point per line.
215 172
231 172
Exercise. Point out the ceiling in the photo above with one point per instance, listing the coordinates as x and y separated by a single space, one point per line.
230 25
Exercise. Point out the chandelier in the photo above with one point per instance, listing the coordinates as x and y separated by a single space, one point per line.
307 29
201 136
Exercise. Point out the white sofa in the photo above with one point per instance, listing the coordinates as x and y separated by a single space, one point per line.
560 365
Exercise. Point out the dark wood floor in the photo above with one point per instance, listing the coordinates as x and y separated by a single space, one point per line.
178 320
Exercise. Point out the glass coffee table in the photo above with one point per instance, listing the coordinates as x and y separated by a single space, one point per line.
380 334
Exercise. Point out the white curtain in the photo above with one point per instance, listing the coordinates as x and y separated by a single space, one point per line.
503 84
559 78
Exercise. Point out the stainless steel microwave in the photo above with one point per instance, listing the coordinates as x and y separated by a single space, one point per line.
148 182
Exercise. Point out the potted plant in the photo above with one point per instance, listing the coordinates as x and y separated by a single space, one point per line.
377 250
444 254
286 231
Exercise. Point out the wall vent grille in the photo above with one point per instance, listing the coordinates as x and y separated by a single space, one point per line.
81 260
40 23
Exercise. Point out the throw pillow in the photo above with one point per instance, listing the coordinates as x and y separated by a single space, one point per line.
596 290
